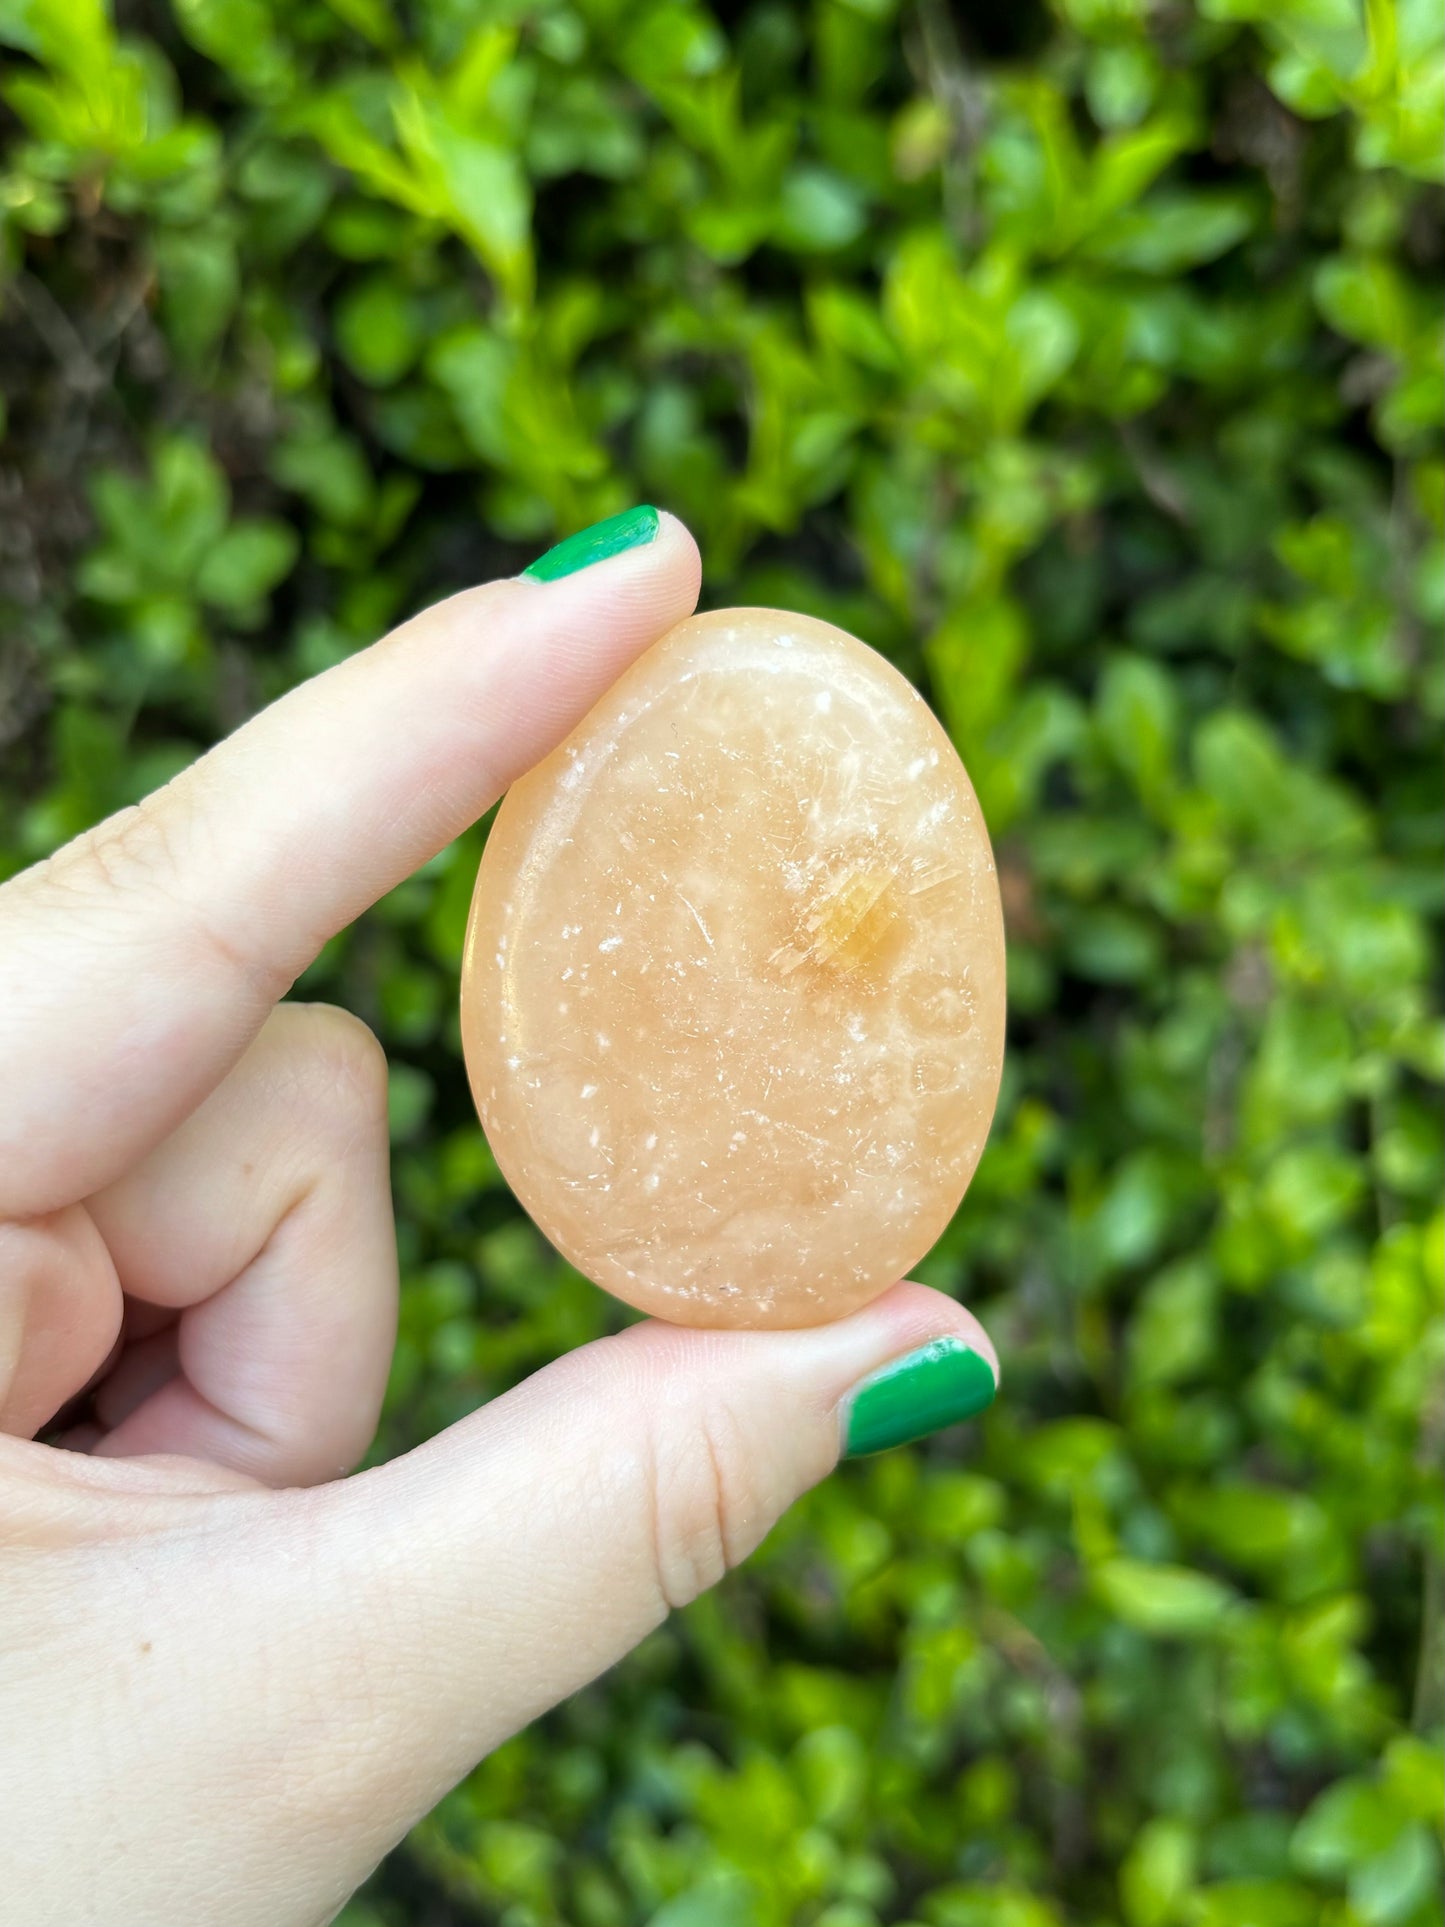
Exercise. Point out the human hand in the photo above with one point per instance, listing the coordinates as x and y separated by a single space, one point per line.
230 1679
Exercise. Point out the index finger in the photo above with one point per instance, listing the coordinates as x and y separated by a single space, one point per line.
139 961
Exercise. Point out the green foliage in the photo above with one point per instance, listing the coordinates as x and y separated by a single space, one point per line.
1089 365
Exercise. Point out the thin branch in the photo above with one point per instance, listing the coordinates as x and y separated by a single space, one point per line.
81 370
1161 487
964 99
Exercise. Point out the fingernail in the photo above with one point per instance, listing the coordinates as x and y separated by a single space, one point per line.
940 1384
632 529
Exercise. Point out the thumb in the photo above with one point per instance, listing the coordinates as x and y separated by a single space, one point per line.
514 1558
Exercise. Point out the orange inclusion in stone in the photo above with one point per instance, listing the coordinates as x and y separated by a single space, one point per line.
733 993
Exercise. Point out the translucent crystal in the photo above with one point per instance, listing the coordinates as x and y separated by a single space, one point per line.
733 996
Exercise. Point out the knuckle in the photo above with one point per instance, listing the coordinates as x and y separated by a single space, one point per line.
156 849
335 1062
56 1272
704 1500
132 849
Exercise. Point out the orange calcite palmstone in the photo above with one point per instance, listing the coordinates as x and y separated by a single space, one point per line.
733 996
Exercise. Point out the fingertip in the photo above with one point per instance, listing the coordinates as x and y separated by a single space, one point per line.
645 550
917 1313
818 1364
651 585
644 589
680 555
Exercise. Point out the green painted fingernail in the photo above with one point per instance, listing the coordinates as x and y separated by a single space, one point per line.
939 1384
630 530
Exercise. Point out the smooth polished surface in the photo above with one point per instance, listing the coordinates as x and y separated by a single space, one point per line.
941 1384
632 529
733 994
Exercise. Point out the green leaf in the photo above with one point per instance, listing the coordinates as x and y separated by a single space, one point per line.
1393 1885
190 494
1174 231
1157 1874
1121 84
1167 1602
1173 1333
1254 1903
991 1904
1042 338
844 320
72 35
716 1904
819 212
330 471
473 181
1367 299
1415 1772
477 369
1351 1823
1113 945
250 559
378 330
1138 718
410 1094
372 18
200 280
244 38
1128 163
832 1763
1310 1189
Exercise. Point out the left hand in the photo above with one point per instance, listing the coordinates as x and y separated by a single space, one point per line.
229 1679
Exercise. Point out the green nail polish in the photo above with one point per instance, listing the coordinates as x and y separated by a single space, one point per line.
630 530
939 1384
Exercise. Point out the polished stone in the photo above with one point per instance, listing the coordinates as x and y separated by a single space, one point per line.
733 995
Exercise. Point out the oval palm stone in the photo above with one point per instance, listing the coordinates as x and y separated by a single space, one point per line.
733 994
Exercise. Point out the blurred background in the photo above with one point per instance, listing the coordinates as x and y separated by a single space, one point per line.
1086 359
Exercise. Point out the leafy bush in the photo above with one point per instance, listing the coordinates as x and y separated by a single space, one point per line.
1088 364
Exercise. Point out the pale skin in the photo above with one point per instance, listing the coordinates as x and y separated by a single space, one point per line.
230 1677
